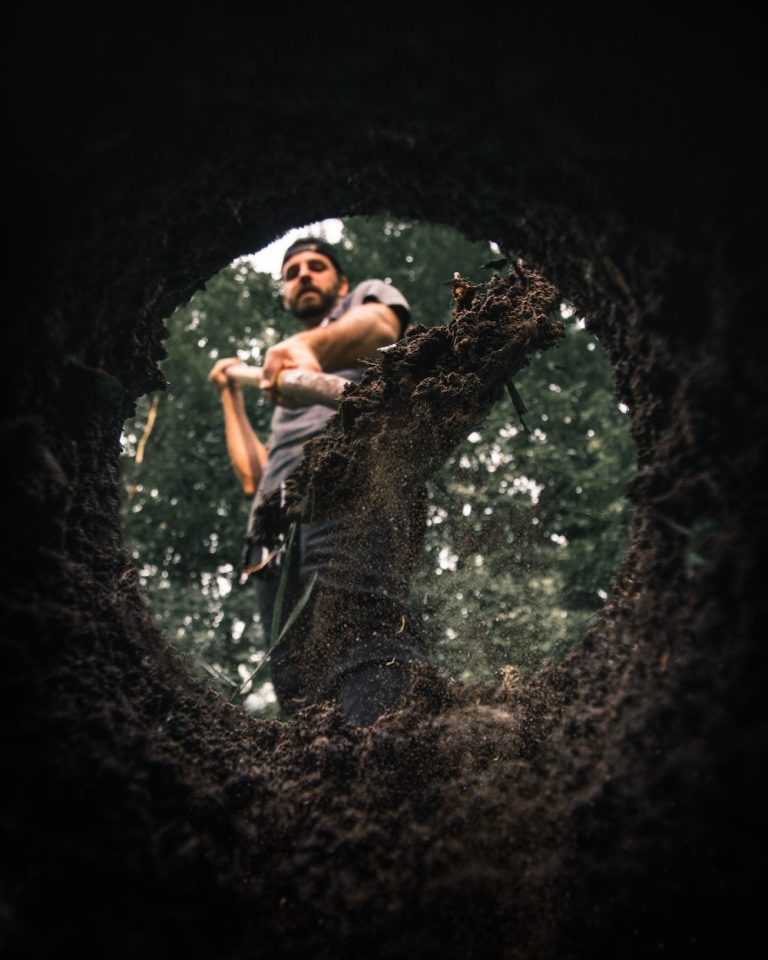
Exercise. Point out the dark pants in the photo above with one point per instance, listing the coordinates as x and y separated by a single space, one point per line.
355 640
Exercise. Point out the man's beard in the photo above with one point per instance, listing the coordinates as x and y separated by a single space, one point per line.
316 308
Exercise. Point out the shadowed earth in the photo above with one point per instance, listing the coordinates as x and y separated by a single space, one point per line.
613 806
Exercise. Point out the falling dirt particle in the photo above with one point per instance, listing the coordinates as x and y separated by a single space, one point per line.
511 678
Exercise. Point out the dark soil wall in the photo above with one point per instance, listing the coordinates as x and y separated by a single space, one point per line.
613 806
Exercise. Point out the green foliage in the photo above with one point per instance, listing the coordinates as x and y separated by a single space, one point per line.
525 531
184 511
418 258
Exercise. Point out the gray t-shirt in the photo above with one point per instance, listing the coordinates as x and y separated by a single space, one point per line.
291 429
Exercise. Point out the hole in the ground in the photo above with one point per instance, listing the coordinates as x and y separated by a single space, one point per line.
526 522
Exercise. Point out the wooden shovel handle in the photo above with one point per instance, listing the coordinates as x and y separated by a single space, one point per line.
301 388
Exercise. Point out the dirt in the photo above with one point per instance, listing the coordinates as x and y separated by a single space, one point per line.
613 805
428 392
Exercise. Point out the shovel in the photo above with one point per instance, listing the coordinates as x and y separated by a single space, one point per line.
297 388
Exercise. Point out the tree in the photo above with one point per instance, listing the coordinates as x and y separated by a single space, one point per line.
524 530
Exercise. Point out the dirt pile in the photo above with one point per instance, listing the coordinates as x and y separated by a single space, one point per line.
427 393
613 806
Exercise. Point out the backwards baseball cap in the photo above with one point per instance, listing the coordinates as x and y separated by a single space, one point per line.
316 246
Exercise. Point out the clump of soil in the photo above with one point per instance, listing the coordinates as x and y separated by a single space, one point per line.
427 393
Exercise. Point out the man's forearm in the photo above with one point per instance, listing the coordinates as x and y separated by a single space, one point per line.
247 453
353 338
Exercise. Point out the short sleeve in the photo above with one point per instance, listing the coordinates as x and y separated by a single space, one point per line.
376 291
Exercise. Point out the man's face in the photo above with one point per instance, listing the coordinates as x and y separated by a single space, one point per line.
311 286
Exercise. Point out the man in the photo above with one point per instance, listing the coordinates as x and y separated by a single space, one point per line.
368 673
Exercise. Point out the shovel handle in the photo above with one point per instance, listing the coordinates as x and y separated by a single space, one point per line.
301 388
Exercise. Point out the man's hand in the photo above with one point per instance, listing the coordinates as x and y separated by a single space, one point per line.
218 375
292 354
347 342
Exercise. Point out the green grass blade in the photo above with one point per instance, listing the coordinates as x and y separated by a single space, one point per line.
302 602
277 611
275 636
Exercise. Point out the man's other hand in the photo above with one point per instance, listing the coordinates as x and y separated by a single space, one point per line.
292 354
219 377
